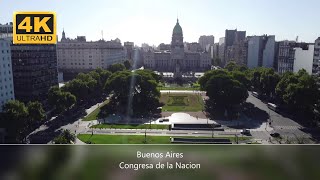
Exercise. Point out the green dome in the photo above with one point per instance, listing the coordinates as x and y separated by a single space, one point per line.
177 28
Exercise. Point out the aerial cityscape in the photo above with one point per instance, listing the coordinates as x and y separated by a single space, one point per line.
236 89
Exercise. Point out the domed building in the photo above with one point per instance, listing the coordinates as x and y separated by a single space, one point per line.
176 59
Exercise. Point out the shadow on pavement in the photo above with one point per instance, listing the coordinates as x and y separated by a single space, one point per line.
251 117
65 118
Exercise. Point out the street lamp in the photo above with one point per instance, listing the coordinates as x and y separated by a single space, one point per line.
212 130
92 127
145 136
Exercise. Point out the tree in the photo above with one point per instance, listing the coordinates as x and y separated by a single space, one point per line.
268 81
103 77
231 66
132 91
60 100
81 88
203 80
66 137
65 101
36 112
298 91
241 77
16 109
224 91
116 67
127 64
15 122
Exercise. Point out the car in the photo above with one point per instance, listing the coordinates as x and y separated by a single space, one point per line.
246 132
275 135
163 120
255 94
272 106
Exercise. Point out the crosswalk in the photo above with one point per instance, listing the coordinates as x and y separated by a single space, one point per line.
286 127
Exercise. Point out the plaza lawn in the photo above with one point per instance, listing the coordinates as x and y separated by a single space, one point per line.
130 126
94 114
123 139
182 102
135 139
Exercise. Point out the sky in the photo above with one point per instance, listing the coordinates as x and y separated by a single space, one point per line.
152 21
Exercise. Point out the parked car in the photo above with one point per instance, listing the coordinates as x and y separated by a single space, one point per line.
272 106
255 94
246 132
275 135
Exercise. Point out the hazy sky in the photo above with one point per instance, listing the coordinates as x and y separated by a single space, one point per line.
152 21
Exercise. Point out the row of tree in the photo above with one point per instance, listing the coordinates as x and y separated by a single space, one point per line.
297 92
18 118
84 87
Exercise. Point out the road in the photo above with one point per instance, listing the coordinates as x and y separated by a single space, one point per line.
283 125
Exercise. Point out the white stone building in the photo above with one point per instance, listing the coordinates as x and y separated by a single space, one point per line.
303 58
79 54
6 75
178 59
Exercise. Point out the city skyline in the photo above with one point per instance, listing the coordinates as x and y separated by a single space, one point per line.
152 21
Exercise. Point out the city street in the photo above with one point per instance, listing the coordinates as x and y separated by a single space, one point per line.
286 127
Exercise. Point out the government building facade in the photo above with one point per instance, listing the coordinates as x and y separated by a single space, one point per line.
177 59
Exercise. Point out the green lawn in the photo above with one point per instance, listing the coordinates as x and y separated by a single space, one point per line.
130 126
182 102
123 139
94 114
134 139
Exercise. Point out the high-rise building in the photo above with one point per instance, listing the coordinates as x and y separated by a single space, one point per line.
316 58
233 40
294 56
34 71
193 47
261 51
206 41
80 55
303 58
6 78
214 51
222 50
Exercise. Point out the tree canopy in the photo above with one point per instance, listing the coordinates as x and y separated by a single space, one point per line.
132 91
127 64
224 90
116 67
18 118
60 100
66 137
298 91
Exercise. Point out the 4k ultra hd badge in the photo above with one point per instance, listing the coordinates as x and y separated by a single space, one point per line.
34 28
